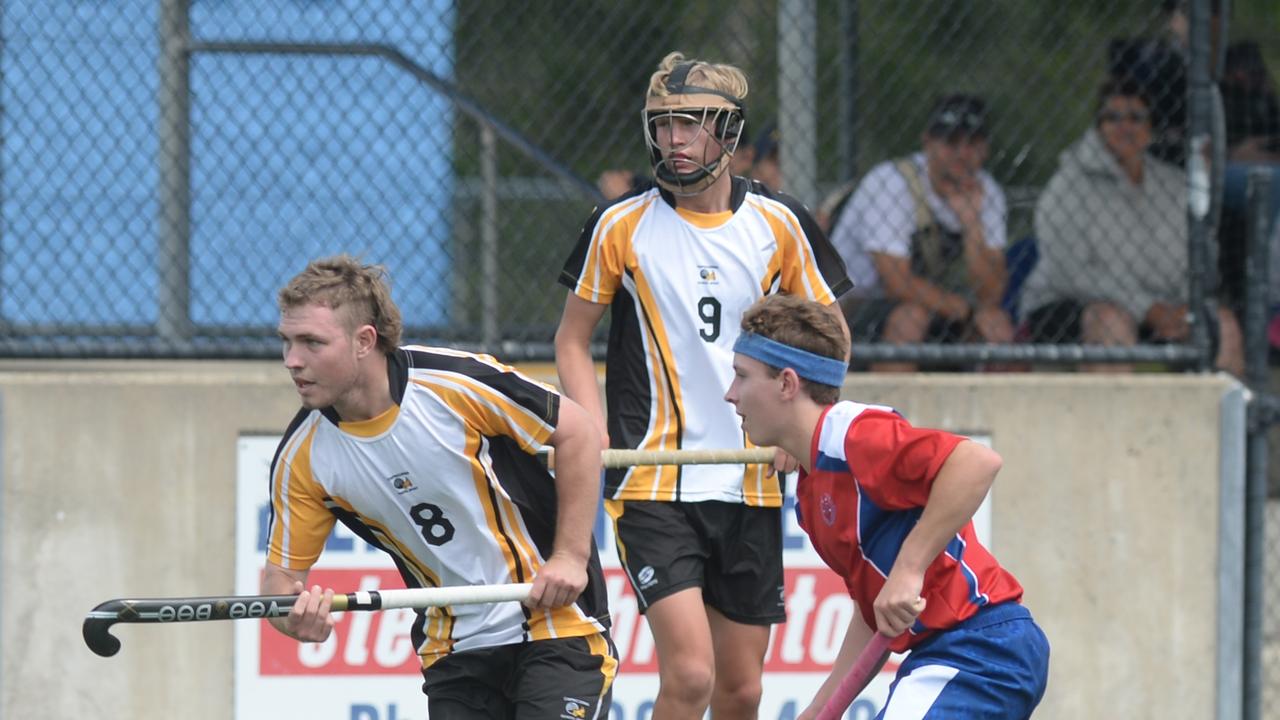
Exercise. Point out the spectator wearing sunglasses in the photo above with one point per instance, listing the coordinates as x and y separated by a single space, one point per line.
1112 236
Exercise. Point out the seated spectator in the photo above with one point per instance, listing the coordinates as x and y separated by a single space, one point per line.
1111 228
923 239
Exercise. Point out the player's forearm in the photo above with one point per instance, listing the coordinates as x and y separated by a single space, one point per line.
578 491
915 289
986 271
856 637
279 581
577 372
957 492
577 477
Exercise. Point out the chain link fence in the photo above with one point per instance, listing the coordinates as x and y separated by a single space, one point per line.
167 164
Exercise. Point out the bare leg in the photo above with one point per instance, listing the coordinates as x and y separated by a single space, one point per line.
1102 323
1230 344
739 651
907 323
686 661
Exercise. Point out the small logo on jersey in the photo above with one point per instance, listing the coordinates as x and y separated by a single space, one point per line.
575 709
646 577
401 483
782 596
707 273
827 507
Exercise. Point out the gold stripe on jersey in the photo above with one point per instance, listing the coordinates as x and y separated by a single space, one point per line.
607 262
459 394
759 487
501 514
526 561
439 621
656 482
422 573
493 412
606 256
302 524
518 554
439 631
793 251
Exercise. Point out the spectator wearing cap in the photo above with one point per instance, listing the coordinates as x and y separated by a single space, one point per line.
1111 231
923 239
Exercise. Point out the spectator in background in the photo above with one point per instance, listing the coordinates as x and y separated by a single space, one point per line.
1252 113
764 158
616 182
923 238
1158 66
1250 105
1111 230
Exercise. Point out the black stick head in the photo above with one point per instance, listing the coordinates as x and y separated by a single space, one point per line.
97 628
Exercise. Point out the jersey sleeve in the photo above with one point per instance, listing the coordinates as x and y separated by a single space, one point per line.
300 521
894 462
811 267
495 399
595 267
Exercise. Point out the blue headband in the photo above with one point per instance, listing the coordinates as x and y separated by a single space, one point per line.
817 368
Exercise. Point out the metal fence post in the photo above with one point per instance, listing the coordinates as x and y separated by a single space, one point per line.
847 133
1257 350
173 311
798 98
489 281
1199 132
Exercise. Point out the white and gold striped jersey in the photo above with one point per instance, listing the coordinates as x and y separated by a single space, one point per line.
446 483
678 283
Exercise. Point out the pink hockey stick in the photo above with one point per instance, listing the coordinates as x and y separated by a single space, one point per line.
870 659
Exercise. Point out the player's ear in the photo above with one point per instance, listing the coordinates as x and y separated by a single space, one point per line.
790 383
366 339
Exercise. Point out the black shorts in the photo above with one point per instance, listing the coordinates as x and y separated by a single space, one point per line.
561 677
732 551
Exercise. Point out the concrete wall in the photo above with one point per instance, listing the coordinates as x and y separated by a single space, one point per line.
118 480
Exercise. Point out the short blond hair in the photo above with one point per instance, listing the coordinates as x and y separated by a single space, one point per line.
722 77
359 292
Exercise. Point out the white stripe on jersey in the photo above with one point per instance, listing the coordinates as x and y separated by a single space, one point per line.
835 426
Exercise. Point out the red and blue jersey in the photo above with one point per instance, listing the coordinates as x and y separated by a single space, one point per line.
871 475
